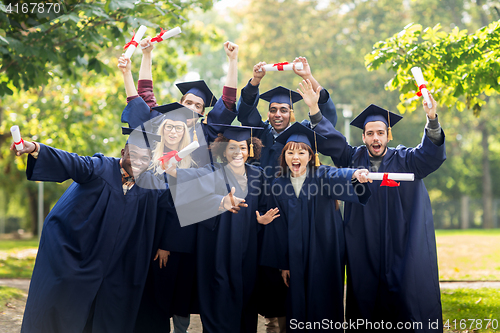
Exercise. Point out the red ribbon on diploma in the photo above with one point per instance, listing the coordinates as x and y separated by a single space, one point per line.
388 182
419 92
167 156
132 42
280 65
18 143
158 38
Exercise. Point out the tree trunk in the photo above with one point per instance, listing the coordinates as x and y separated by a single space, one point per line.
33 205
487 188
465 212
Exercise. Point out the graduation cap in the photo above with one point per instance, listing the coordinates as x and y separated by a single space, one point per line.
376 113
239 133
282 95
140 137
177 112
198 88
300 133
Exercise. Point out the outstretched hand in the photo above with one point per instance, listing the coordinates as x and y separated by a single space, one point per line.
232 203
163 256
268 217
310 96
258 73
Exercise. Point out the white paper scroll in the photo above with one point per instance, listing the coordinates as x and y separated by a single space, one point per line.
392 175
160 38
281 67
137 38
417 74
16 135
181 154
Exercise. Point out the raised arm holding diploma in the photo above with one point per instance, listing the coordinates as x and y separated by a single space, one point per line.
132 45
422 89
163 35
16 135
282 66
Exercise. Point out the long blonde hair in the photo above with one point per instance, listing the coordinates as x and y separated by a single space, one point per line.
186 162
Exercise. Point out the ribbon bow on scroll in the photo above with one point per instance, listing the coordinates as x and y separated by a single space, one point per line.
388 182
280 65
132 42
419 92
167 156
159 38
18 143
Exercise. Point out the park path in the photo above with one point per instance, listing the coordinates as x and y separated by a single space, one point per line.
11 318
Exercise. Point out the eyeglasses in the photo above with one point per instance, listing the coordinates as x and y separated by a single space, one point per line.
178 128
282 110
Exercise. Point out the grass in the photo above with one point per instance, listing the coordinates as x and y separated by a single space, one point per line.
7 294
16 259
472 254
19 244
469 309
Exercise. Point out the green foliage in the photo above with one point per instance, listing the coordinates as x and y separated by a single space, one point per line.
59 83
20 244
455 64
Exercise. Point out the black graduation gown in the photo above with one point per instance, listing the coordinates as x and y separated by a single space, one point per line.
271 289
171 290
392 267
308 240
227 253
95 246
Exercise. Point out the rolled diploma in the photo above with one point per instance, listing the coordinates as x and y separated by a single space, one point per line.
16 135
138 36
170 33
393 176
181 154
417 74
289 67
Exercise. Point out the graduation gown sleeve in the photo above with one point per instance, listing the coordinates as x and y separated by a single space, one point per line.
55 165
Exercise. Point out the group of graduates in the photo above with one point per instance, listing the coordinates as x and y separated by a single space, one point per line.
248 223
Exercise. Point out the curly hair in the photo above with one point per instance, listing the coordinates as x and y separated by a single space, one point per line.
218 147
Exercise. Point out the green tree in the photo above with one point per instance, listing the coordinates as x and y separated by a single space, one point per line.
463 72
49 86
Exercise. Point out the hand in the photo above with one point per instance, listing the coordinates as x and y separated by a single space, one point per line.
163 255
305 72
231 50
268 217
285 274
362 176
146 43
232 203
169 169
257 76
310 96
431 113
124 64
29 147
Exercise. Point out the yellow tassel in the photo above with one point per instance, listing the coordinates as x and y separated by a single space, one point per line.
292 116
205 121
389 134
195 137
251 150
317 160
